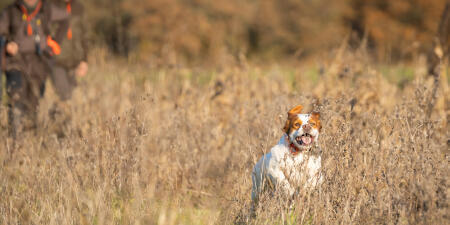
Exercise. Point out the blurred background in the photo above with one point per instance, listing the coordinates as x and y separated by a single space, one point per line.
199 30
182 98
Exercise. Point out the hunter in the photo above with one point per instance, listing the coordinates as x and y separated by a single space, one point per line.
72 62
29 52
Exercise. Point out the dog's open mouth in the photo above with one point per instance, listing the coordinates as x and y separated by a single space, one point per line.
305 139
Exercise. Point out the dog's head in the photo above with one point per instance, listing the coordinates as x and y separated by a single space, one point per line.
302 129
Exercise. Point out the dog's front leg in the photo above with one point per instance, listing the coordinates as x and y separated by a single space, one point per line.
282 183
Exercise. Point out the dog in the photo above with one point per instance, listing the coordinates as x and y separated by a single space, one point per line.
295 161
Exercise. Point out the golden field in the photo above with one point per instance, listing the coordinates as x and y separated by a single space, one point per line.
147 144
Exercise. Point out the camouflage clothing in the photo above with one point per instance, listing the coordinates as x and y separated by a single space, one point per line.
27 70
13 25
73 51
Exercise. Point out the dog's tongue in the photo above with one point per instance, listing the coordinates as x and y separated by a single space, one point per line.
306 139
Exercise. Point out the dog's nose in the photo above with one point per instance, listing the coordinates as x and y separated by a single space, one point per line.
307 127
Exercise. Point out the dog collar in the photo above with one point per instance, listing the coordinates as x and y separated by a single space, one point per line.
293 149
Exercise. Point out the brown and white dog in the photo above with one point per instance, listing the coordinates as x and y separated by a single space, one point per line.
295 161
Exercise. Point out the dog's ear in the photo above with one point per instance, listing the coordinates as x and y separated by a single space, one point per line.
316 116
287 126
294 111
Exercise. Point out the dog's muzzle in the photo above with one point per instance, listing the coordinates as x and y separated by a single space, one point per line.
305 139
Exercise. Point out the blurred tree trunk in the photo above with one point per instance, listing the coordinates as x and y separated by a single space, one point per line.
441 43
111 23
444 29
118 29
438 59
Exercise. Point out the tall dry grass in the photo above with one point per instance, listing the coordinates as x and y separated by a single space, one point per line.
144 145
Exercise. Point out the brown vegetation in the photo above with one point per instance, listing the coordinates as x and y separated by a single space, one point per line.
174 145
199 30
161 143
395 30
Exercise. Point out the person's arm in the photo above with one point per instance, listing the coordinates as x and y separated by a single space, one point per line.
85 43
62 18
84 29
4 22
11 47
82 68
4 31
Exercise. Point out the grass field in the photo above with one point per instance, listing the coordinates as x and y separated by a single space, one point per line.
140 144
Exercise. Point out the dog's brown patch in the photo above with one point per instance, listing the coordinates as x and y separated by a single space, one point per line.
314 120
293 120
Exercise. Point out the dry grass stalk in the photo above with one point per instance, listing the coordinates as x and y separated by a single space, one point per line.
153 146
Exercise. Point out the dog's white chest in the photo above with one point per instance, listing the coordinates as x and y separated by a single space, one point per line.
299 170
285 170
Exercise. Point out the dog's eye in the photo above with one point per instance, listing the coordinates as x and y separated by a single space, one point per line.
297 124
312 124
